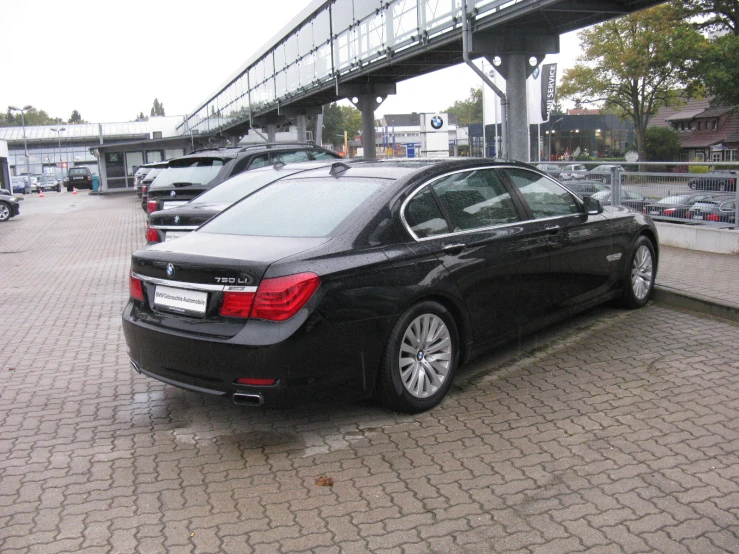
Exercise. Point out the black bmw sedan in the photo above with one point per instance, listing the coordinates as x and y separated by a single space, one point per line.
379 279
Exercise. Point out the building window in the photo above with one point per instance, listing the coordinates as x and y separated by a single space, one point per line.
700 157
690 125
716 157
682 126
731 156
715 124
699 125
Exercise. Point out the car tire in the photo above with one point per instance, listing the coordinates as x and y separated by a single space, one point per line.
639 274
27 190
403 383
4 211
69 188
59 188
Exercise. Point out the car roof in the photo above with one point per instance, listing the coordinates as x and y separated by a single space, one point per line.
235 151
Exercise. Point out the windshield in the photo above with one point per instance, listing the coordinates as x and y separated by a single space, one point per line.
602 195
48 179
241 185
198 172
151 175
295 208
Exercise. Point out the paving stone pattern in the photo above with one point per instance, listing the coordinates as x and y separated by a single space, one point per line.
615 432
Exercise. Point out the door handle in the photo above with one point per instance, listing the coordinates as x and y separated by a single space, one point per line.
553 230
452 248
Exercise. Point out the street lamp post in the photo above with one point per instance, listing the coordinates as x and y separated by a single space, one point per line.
23 110
59 136
552 124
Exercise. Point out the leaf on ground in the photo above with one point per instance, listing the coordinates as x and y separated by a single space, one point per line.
324 481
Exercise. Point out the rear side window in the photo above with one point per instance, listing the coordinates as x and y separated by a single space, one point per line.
295 208
424 216
475 199
544 197
259 161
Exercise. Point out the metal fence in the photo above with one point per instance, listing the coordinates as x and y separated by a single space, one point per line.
696 193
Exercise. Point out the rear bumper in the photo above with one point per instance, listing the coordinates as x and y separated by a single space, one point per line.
320 362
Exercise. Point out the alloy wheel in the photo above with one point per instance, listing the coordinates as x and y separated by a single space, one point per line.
425 355
4 212
641 272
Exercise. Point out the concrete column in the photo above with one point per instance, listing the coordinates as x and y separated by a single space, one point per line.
367 104
518 115
318 136
300 123
271 132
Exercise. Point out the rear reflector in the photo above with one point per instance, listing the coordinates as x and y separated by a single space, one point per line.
236 304
669 211
151 235
257 382
135 289
151 206
280 298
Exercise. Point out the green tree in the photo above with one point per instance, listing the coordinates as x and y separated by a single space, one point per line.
157 108
715 66
31 117
75 117
469 110
141 117
337 119
662 144
633 64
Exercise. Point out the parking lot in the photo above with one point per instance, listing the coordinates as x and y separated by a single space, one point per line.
616 431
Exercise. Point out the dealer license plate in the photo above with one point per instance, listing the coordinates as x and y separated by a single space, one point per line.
697 216
171 235
180 300
172 204
654 212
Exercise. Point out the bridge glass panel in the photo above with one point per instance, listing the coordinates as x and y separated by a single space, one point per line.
291 50
280 57
305 38
321 28
342 16
364 8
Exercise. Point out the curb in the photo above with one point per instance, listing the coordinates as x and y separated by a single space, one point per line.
696 303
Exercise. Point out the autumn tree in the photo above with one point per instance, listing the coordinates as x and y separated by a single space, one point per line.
337 119
469 110
715 66
633 64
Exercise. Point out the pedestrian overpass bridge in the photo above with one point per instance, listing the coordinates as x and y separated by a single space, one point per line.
359 49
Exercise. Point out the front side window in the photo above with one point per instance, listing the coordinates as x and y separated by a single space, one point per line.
545 198
475 199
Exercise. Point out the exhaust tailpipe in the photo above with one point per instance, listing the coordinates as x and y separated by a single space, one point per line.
248 399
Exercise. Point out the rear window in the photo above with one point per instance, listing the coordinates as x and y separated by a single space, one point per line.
239 186
196 172
78 171
295 208
673 200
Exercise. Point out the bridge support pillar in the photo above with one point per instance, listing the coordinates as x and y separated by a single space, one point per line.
367 98
301 124
518 114
271 129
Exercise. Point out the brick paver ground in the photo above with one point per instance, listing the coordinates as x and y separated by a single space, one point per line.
615 432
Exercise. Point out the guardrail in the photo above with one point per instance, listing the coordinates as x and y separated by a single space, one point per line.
710 198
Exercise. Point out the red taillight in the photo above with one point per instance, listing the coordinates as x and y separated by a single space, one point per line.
669 211
151 206
143 189
688 215
280 298
135 289
257 382
712 217
151 235
237 304
644 210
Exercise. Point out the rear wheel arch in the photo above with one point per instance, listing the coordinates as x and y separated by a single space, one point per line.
464 327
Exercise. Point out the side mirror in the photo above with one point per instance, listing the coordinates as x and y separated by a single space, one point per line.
592 206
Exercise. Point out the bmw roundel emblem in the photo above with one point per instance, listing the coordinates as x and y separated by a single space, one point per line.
173 193
177 220
170 270
536 73
437 122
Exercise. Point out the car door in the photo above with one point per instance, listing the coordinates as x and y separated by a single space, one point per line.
500 263
582 265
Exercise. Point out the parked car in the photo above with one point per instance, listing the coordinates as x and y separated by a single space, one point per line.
49 183
148 180
720 180
629 199
603 173
173 223
376 278
20 185
141 173
585 188
190 175
79 177
31 181
717 210
550 169
675 206
9 206
573 171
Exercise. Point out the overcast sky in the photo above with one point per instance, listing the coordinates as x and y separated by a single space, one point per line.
110 60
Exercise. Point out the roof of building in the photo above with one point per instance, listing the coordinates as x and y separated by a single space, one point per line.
584 111
675 113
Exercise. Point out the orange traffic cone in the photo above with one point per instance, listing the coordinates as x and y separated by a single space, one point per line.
74 190
41 193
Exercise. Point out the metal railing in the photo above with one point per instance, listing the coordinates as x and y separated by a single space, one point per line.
696 193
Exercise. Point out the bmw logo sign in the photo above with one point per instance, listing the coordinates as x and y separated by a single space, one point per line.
536 73
437 122
170 270
173 193
177 220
